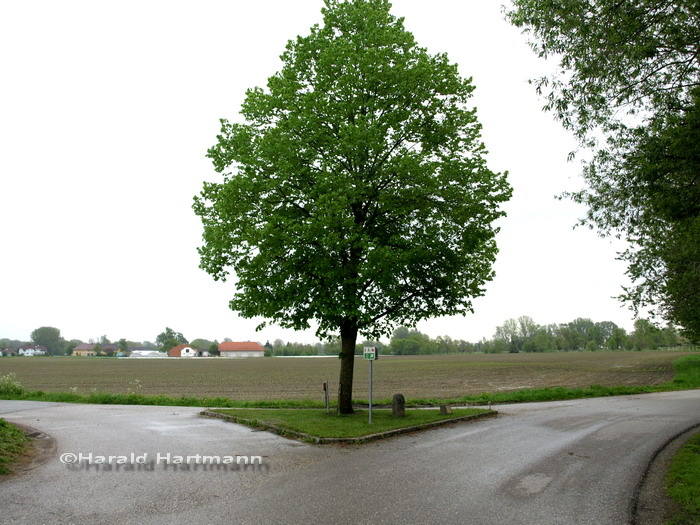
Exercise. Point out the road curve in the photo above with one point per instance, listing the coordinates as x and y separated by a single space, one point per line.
571 462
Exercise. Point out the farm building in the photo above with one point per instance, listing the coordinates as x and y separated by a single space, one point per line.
92 349
30 351
187 351
84 350
245 349
146 353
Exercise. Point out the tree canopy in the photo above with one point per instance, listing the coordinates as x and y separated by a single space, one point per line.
49 337
620 61
628 86
358 196
169 338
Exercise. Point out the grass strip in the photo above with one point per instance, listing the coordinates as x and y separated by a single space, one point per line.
313 424
12 444
683 483
686 377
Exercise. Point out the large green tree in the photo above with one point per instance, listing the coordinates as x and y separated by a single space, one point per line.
49 337
203 344
663 214
628 87
355 192
169 338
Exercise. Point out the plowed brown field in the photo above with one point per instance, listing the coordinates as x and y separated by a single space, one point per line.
302 378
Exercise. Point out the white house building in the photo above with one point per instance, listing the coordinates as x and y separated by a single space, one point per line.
244 349
31 351
187 351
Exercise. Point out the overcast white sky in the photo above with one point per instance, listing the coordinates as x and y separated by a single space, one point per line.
107 110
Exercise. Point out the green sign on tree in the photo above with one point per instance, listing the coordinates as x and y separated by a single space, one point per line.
355 192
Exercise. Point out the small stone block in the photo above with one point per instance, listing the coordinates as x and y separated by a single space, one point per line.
444 409
398 405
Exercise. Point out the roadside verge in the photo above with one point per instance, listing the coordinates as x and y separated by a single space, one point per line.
40 448
650 503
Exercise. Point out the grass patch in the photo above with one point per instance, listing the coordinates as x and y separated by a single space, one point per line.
687 372
12 444
318 423
683 483
106 398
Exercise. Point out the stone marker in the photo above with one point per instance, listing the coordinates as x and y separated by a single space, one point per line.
444 410
398 405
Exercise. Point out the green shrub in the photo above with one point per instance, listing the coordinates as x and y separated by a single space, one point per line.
9 386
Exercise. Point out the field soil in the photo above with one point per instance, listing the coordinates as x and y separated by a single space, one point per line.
302 378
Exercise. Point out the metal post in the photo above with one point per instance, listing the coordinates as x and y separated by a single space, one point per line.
370 391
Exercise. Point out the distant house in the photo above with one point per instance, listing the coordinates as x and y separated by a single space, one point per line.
84 350
91 349
109 349
245 349
8 351
187 351
31 351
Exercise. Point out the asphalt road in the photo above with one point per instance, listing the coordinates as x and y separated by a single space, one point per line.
574 462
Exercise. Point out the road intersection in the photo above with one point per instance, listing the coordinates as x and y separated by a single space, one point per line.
548 463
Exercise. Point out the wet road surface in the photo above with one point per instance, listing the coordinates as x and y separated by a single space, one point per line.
566 462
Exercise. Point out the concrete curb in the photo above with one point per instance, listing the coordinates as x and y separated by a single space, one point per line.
343 441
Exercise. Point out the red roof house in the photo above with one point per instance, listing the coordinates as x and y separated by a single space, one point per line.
32 350
185 351
242 349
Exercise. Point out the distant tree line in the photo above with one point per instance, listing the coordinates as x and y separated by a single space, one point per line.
279 348
514 336
524 335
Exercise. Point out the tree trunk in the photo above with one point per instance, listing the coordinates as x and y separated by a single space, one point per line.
348 339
